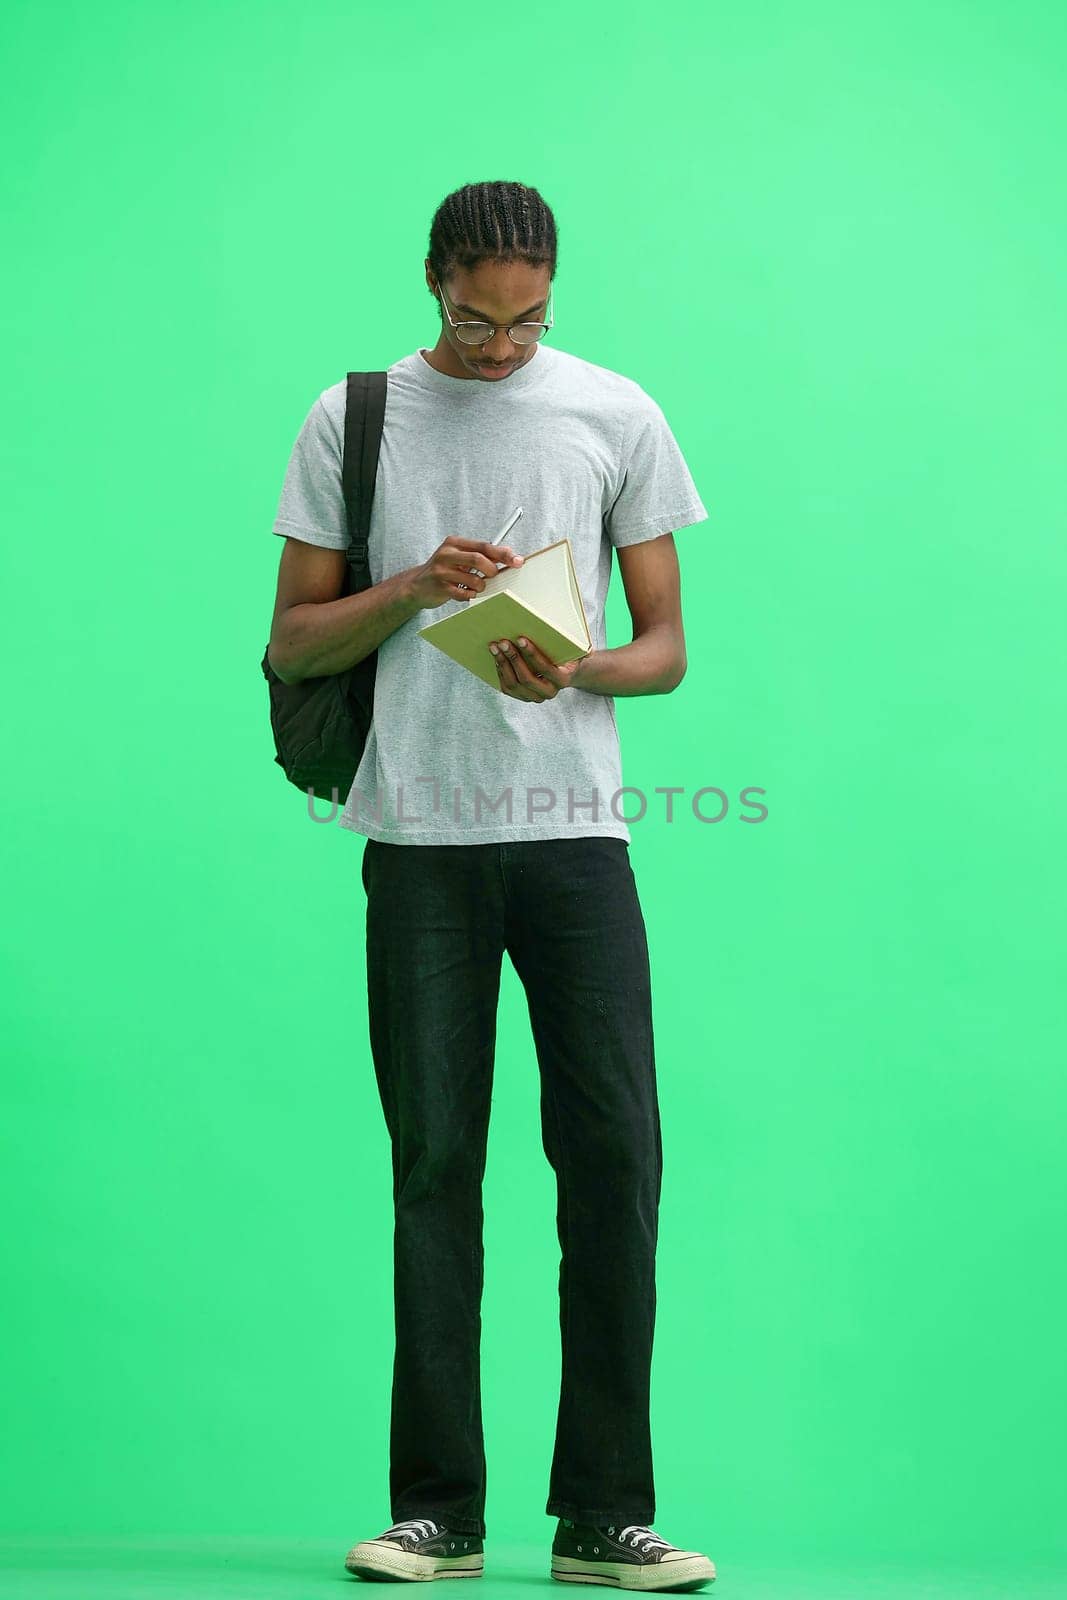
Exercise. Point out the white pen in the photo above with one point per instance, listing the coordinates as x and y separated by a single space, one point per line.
505 530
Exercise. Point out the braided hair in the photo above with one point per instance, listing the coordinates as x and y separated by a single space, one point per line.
491 222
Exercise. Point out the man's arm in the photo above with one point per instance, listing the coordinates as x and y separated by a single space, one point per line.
655 662
315 631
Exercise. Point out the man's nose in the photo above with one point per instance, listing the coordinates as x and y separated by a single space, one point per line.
499 348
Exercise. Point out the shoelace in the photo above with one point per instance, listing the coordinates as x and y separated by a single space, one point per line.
643 1538
422 1527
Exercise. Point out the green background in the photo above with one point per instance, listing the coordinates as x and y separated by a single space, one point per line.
828 239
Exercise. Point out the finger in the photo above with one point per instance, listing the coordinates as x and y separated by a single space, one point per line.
464 572
496 552
514 660
504 667
483 570
538 687
543 666
510 681
484 545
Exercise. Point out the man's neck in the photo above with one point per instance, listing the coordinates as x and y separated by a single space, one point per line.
442 358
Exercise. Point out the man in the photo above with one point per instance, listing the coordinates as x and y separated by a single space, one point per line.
489 826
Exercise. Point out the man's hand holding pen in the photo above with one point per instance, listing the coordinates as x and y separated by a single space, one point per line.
443 576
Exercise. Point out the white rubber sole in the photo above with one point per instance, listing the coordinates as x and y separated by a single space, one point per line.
381 1558
688 1570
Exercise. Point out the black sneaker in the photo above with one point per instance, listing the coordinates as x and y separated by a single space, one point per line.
417 1548
631 1557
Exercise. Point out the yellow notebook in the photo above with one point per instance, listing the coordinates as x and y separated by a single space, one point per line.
541 600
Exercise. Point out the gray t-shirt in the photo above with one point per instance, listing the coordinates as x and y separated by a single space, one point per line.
588 455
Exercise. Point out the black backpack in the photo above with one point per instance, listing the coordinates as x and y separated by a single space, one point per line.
320 725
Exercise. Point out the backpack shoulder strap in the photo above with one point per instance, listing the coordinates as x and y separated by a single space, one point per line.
364 418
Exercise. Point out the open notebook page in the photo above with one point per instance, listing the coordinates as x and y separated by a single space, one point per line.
546 582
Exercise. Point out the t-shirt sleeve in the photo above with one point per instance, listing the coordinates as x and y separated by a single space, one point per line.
312 505
657 493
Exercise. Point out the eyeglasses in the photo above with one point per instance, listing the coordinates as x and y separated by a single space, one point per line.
482 332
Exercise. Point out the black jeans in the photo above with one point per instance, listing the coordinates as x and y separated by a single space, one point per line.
438 920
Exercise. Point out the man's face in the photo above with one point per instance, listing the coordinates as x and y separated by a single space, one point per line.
499 292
